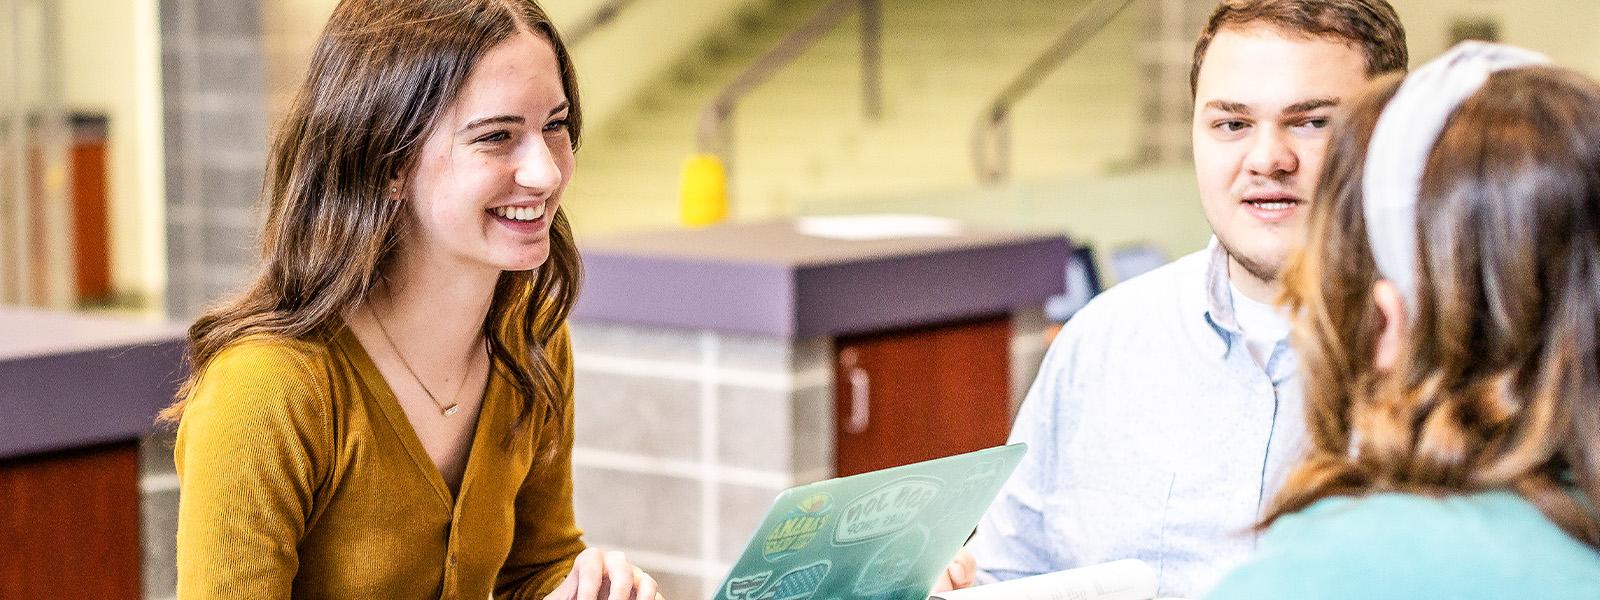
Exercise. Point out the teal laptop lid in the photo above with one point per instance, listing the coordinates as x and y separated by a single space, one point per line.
883 535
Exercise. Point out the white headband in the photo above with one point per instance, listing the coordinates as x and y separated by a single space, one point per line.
1405 134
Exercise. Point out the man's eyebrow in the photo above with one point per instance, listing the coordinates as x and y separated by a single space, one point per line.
494 120
1306 106
1229 107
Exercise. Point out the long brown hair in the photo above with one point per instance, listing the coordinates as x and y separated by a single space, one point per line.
383 73
1498 381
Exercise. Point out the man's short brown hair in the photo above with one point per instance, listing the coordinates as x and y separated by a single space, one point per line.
1370 25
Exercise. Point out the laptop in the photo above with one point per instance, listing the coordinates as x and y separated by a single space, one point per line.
883 535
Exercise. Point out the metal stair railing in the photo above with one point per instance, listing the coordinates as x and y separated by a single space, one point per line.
714 137
991 140
602 15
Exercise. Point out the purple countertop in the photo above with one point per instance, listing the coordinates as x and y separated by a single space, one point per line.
768 278
70 380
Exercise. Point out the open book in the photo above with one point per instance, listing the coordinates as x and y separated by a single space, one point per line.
1130 579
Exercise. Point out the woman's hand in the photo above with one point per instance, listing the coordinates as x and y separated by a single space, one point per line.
958 574
600 575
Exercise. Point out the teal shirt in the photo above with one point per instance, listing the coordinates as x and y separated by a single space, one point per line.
1487 545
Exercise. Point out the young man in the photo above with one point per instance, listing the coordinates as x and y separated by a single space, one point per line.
1167 411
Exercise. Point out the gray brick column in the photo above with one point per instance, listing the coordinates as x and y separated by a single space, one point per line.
1171 29
215 123
213 82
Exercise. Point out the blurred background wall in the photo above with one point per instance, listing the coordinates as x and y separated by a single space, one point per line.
110 66
1095 150
133 132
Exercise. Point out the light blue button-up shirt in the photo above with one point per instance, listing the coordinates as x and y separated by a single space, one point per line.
1153 434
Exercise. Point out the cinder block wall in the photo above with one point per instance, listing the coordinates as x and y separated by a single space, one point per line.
216 137
686 436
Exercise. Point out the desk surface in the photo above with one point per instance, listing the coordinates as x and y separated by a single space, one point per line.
787 243
71 380
773 279
28 333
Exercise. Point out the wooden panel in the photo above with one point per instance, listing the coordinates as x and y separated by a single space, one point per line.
69 524
927 392
90 235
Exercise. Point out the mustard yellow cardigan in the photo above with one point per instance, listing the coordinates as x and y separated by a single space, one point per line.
302 477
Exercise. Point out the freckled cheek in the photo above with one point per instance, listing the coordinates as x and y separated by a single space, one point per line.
461 205
450 217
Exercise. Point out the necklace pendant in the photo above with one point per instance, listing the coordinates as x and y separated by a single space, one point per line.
451 410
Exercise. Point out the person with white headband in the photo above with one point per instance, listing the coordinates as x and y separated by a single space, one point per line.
1446 309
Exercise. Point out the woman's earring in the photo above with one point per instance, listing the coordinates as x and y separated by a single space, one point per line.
394 192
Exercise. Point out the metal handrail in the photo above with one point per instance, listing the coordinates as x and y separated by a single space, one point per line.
713 136
991 140
601 16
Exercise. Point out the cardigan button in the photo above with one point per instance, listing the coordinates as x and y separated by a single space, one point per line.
452 559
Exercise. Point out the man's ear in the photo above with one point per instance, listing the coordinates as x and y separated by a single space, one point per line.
1393 308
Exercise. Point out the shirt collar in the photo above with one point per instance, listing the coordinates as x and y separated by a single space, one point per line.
1219 301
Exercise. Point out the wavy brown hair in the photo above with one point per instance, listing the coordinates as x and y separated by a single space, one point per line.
383 73
1498 382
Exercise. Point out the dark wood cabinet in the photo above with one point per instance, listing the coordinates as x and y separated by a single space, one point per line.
91 206
912 395
69 524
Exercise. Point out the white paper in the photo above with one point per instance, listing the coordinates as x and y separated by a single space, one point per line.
1121 580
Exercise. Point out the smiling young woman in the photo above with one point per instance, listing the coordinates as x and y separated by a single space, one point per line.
386 411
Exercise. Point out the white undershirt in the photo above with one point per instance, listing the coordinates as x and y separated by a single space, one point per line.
1264 325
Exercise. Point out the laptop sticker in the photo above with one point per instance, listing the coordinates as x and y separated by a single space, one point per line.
799 528
744 588
974 488
800 583
885 510
888 569
884 535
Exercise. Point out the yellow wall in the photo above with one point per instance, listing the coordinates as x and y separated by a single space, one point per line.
290 28
612 64
111 65
616 62
1567 30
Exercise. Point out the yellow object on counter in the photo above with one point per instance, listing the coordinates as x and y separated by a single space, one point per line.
703 196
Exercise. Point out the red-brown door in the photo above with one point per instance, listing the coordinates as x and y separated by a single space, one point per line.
69 524
91 234
913 395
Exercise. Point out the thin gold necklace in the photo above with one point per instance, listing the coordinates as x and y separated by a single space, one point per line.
443 410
